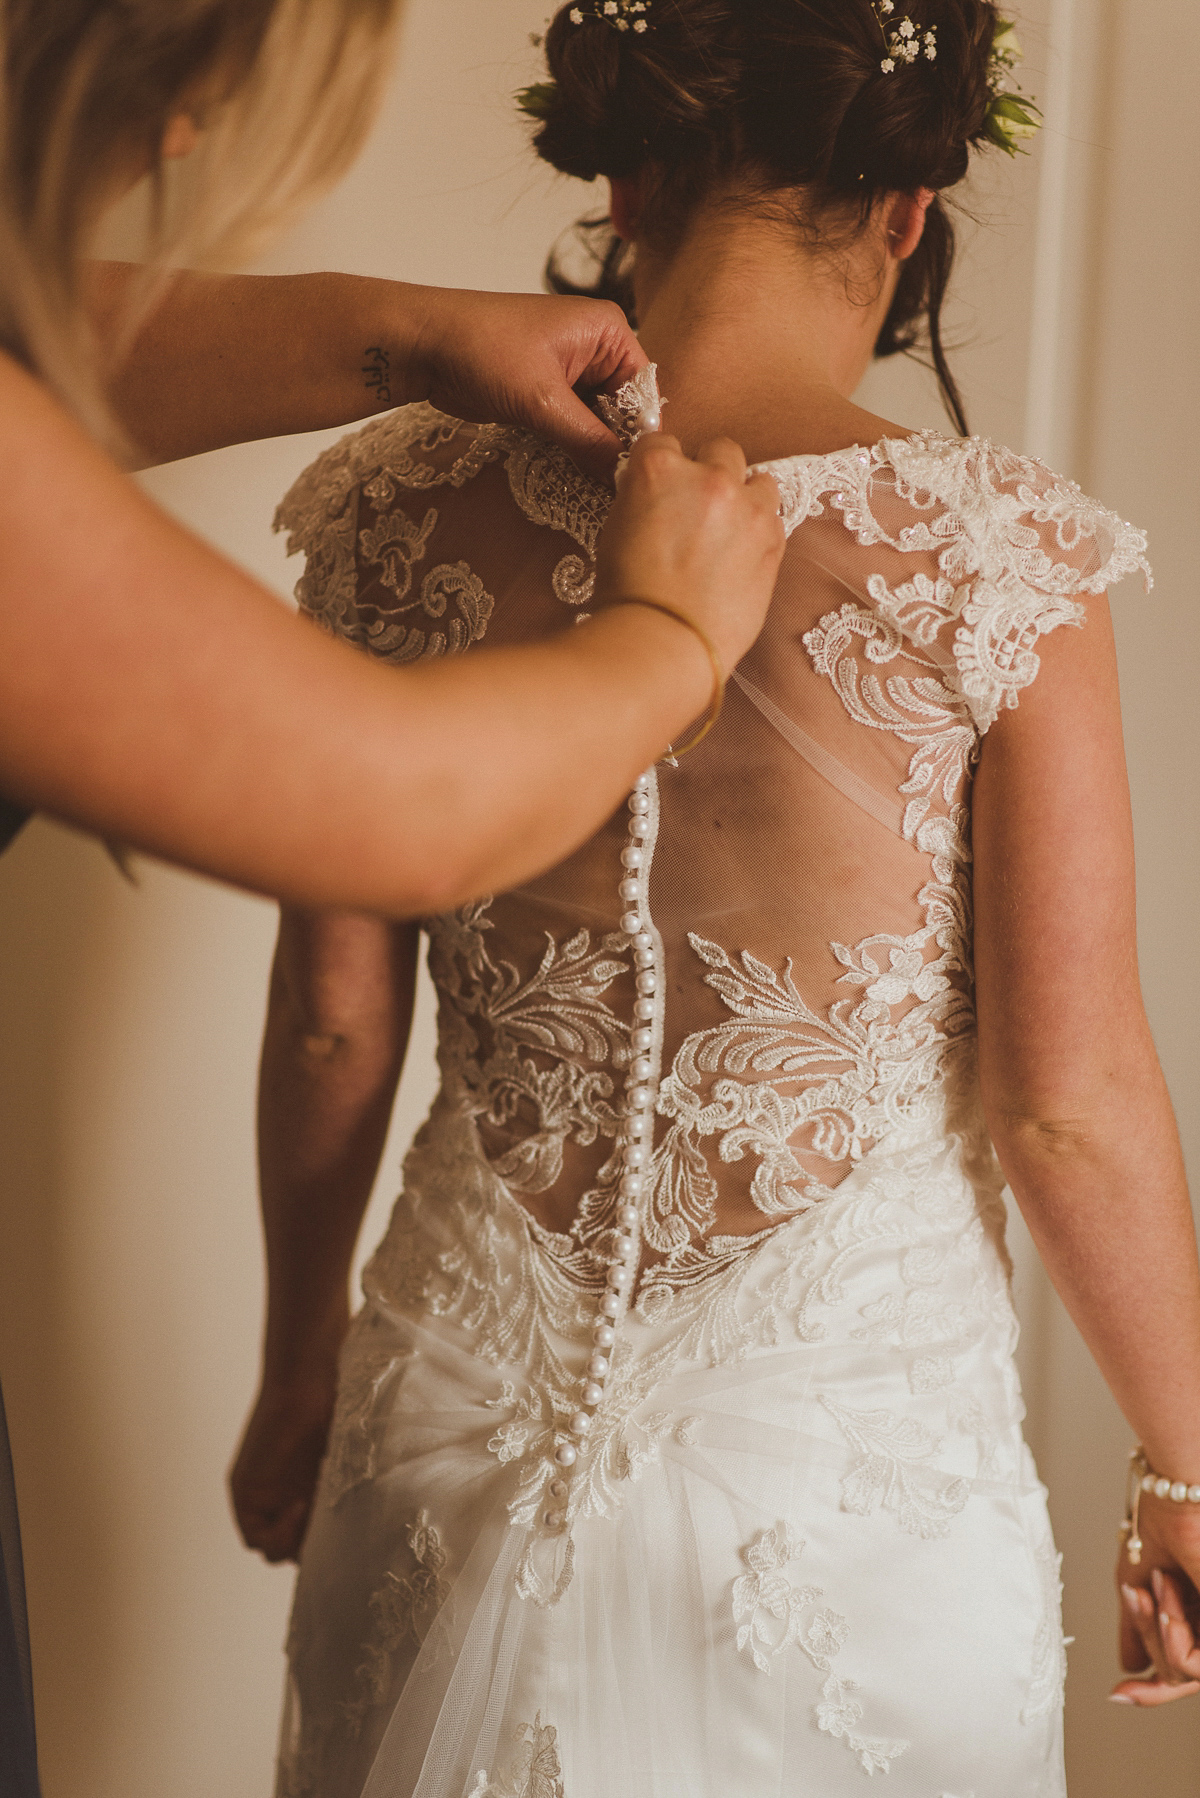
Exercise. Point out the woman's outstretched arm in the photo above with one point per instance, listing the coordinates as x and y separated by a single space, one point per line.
151 691
1076 1101
338 1021
231 358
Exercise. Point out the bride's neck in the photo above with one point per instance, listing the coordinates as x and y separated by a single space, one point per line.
758 337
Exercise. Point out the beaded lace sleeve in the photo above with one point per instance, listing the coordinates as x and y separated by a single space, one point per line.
1009 549
365 515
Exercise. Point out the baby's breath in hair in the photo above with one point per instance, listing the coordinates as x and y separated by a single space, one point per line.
622 15
905 42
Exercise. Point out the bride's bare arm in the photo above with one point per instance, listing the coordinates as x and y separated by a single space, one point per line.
230 358
337 1028
151 691
1075 1097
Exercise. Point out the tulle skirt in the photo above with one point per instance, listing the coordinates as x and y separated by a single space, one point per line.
821 1556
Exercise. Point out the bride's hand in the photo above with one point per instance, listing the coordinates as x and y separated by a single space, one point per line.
1160 1606
273 1479
517 358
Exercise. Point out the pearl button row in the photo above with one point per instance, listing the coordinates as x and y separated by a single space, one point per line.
637 1131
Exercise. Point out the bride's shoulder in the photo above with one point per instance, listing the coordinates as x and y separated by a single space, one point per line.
415 447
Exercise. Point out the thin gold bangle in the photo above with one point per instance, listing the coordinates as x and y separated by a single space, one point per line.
710 648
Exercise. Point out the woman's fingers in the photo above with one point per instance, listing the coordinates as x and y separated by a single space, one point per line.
1156 1632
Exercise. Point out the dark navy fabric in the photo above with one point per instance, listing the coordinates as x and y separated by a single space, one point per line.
18 1747
12 817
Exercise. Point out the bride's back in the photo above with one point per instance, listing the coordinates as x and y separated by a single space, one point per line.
775 939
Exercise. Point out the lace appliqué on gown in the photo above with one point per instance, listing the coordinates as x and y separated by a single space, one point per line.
403 1608
535 1771
773 1616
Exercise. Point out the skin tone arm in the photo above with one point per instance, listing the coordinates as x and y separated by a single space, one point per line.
337 1027
152 692
1077 1105
240 357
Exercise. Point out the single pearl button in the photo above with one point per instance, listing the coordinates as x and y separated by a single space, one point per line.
630 922
598 1366
632 858
593 1392
552 1519
581 1423
624 1247
566 1454
647 982
558 1489
627 1217
631 1187
639 827
642 1039
641 1067
645 941
635 1155
618 1278
610 1304
642 783
640 1096
639 802
604 1335
629 890
649 418
643 1008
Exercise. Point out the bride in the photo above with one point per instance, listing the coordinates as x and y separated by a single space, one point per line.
677 1446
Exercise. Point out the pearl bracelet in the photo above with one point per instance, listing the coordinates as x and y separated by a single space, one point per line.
1142 1478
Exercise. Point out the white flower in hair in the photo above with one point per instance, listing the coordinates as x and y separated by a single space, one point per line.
620 14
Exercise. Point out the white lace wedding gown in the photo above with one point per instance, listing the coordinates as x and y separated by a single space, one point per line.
802 1542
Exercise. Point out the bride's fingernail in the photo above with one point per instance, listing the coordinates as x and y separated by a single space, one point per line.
1157 1581
1132 1599
1164 1622
1120 1698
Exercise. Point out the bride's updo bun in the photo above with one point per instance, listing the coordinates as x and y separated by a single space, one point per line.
782 94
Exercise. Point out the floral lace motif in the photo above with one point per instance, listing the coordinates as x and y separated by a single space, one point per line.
535 1771
996 579
773 1616
404 1606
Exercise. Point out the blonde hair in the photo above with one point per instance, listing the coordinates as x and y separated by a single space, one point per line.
284 92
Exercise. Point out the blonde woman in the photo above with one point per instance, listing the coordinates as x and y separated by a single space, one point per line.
676 1450
150 690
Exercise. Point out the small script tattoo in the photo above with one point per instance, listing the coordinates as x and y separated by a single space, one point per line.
377 371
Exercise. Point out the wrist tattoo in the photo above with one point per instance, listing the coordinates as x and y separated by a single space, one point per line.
377 373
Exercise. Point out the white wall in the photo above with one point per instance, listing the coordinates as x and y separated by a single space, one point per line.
130 1282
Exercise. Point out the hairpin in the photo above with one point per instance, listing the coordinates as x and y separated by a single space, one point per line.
622 15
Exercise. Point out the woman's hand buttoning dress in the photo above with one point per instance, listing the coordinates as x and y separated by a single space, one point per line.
676 1450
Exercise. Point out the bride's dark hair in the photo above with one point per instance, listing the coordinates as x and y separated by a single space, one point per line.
784 94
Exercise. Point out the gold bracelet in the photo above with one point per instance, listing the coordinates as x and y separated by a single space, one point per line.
1142 1478
718 692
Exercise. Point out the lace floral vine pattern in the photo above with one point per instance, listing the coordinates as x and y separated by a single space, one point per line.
404 1608
535 1771
997 582
773 1615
